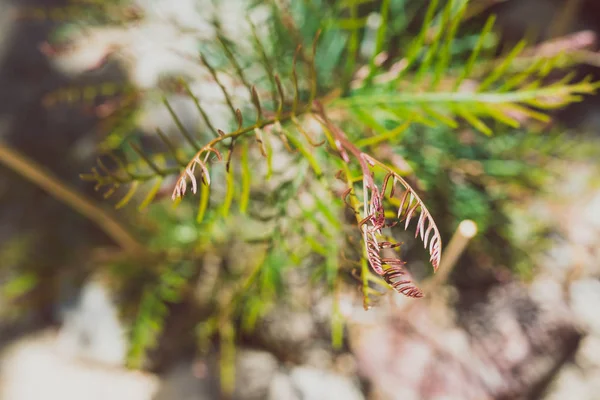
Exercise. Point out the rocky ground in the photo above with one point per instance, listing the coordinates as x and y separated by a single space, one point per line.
536 340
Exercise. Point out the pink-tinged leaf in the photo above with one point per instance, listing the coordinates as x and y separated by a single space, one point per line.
190 173
402 201
205 173
435 246
398 278
426 238
409 214
215 151
420 226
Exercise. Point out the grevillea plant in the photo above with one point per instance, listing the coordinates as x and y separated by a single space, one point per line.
421 86
316 86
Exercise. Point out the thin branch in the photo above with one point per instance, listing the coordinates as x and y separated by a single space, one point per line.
37 174
467 229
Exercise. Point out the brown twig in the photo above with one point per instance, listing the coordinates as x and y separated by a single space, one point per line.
466 230
38 175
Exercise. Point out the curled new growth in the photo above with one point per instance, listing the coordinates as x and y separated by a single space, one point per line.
189 172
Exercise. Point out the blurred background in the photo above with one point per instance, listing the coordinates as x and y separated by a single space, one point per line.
514 317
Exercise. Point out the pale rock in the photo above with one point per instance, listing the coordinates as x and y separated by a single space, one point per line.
282 388
286 332
315 384
544 290
187 14
584 228
593 376
569 384
92 330
188 380
254 372
588 354
585 302
35 368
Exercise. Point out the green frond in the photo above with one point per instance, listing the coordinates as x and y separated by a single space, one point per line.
130 193
392 134
472 106
475 54
437 42
227 352
151 194
445 56
417 45
153 310
381 36
230 192
246 180
203 206
353 24
502 68
146 171
304 151
429 87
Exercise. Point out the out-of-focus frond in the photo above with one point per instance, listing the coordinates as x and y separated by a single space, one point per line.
167 288
425 84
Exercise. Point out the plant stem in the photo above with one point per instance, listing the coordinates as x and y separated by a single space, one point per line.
38 175
464 97
464 233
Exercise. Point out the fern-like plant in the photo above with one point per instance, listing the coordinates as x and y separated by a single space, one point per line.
422 86
318 87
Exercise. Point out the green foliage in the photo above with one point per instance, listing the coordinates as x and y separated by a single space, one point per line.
168 288
327 98
16 282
